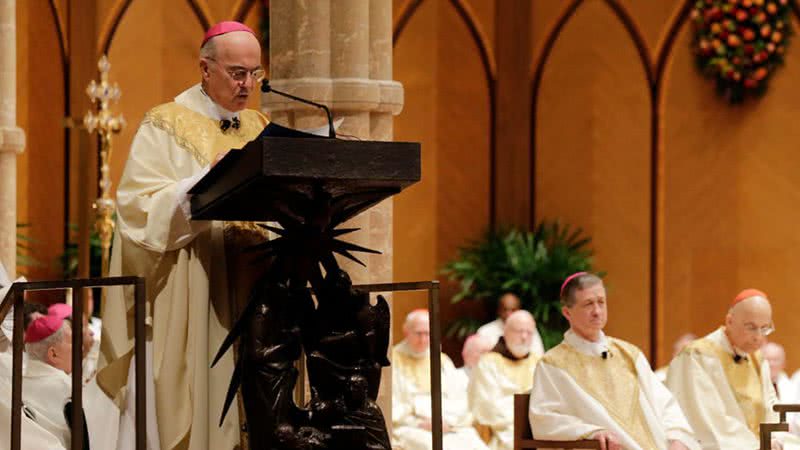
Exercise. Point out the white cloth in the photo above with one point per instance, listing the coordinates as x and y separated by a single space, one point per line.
561 409
700 384
34 434
661 373
495 380
494 329
411 404
47 390
90 360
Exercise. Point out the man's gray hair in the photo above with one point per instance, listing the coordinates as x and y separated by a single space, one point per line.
578 283
38 350
208 50
415 315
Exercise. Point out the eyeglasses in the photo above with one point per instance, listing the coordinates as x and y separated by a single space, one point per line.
239 74
763 331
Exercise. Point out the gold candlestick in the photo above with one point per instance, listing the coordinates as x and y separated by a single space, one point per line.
102 94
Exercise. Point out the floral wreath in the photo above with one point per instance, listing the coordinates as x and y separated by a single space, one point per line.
739 43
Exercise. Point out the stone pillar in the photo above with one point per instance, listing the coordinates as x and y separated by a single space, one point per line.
12 138
339 52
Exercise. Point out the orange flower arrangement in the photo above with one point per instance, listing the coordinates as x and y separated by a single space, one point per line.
739 43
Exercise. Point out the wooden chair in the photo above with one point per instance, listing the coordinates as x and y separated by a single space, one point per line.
766 429
523 437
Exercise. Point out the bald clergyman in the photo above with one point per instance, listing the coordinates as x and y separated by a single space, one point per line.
722 382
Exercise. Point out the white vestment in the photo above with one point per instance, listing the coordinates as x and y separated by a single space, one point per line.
47 390
725 399
576 392
411 403
34 433
494 330
495 380
190 305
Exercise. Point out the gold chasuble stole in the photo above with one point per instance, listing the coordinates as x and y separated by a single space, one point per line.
201 135
416 369
744 378
519 371
613 382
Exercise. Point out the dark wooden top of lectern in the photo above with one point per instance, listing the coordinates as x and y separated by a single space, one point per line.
271 173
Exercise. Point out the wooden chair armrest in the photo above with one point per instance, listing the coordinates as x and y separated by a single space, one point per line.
783 408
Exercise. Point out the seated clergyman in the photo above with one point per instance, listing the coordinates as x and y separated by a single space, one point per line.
501 373
475 346
722 382
598 387
46 385
411 394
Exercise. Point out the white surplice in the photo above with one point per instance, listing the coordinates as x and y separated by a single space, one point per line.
724 416
576 392
34 433
411 403
494 381
47 390
494 329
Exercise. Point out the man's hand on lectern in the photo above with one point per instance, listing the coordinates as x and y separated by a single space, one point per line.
608 440
219 157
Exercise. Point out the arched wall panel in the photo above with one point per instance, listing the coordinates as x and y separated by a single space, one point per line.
40 112
592 167
447 108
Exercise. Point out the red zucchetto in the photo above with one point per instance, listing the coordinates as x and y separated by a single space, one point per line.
228 26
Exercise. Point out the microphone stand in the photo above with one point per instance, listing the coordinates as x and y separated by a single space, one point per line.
265 88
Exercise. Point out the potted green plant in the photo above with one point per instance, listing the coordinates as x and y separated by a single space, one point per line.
531 264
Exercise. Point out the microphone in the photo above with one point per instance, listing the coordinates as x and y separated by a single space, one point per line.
265 88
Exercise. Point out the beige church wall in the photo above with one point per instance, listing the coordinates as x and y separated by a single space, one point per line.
721 203
40 112
592 156
730 192
447 110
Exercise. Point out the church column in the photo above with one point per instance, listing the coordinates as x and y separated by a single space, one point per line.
12 138
340 53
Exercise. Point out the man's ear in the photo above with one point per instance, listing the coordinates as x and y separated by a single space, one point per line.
51 355
565 312
204 68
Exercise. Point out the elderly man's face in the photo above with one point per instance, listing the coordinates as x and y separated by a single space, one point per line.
588 315
776 357
417 333
60 354
748 323
228 75
518 334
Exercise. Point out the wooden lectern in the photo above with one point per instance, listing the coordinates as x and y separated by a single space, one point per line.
310 186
